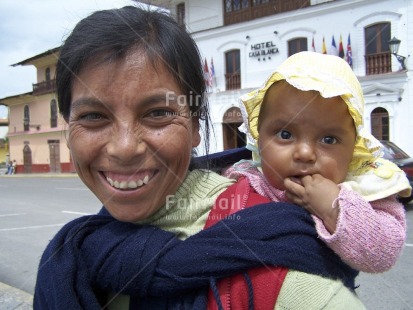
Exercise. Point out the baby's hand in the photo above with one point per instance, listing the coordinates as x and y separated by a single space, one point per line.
316 194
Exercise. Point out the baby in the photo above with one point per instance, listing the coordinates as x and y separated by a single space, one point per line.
305 128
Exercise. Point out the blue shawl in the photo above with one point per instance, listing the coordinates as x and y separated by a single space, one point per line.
94 255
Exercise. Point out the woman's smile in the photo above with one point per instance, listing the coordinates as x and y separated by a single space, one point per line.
128 182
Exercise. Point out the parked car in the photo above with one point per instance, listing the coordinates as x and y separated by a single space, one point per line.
395 154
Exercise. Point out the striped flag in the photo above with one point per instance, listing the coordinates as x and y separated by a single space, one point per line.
349 55
213 78
333 49
323 47
340 48
207 75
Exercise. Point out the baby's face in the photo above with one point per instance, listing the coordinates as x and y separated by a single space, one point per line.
301 133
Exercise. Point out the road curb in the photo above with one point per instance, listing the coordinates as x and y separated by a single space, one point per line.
12 298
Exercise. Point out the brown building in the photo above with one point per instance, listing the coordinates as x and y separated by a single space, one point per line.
37 134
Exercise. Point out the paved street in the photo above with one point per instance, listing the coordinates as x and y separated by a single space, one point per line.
32 210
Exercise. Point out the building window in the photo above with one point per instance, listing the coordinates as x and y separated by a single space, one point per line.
232 70
26 118
228 6
297 45
238 11
236 5
233 138
378 57
47 74
258 2
380 124
180 14
53 113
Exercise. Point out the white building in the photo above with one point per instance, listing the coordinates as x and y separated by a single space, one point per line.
247 39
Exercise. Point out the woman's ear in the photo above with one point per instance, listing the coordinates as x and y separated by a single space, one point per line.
196 136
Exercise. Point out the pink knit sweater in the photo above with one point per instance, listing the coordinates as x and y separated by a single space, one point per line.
369 236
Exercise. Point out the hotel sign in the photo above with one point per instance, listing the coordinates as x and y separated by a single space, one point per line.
263 49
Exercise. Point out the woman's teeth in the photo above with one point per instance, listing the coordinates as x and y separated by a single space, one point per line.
128 184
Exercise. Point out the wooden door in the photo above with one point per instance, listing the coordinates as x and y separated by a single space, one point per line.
27 159
54 151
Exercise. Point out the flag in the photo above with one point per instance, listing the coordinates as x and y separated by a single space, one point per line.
213 78
349 56
333 49
340 48
313 46
323 47
207 76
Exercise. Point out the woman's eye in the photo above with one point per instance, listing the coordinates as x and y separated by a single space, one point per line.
92 116
160 113
284 134
329 140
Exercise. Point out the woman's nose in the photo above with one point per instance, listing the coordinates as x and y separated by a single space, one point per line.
305 152
126 142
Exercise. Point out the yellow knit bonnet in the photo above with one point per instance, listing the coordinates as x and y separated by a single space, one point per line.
331 76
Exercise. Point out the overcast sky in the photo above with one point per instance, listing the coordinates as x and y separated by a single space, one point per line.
31 27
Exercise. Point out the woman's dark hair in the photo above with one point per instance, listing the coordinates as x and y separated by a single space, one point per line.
112 33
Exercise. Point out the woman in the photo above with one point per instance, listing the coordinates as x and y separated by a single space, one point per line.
131 88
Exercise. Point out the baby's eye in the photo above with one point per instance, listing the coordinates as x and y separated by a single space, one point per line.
284 134
329 140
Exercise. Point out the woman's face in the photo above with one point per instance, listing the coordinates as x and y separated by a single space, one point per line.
130 134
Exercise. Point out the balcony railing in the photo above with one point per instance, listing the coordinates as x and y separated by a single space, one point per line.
378 63
44 87
253 11
232 81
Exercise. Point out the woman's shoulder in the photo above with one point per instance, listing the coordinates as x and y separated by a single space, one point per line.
308 291
221 160
207 179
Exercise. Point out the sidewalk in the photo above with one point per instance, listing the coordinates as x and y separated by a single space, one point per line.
14 299
42 175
